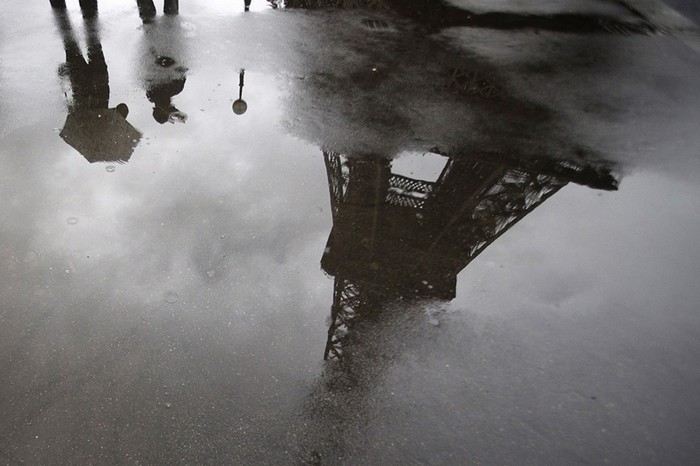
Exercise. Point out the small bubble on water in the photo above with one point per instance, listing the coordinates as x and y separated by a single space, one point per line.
72 220
171 297
222 236
110 168
168 405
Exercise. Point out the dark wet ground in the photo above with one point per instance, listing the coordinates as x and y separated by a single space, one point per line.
482 215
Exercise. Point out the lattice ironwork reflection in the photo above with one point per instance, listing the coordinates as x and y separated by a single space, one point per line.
380 5
467 82
346 303
398 236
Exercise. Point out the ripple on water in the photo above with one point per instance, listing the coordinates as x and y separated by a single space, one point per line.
72 220
110 168
171 297
30 257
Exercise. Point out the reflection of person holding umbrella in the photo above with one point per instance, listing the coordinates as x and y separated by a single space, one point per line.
162 65
99 133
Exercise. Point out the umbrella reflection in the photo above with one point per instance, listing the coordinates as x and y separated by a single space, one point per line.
99 133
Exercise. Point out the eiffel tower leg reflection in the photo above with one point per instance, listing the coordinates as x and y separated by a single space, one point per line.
395 236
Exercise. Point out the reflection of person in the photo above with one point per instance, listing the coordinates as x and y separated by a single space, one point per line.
163 69
89 80
89 7
147 10
92 128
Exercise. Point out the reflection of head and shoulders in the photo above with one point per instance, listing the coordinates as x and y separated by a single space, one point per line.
99 133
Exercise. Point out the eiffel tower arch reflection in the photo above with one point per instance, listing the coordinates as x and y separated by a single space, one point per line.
395 236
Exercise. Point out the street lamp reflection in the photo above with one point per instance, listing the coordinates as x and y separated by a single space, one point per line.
239 105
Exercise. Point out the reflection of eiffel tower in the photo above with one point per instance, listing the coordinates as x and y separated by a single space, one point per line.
368 4
442 14
397 236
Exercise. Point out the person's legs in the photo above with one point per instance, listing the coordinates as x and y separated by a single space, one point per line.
97 66
89 8
147 10
246 5
58 3
74 58
171 7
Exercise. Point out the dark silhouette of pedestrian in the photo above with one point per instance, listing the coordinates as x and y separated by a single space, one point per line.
99 133
163 65
147 9
89 79
88 7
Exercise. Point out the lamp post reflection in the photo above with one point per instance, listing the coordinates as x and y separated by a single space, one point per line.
239 105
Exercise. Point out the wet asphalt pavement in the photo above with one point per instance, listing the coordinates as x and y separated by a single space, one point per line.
349 232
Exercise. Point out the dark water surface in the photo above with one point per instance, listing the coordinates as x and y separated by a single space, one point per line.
484 215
